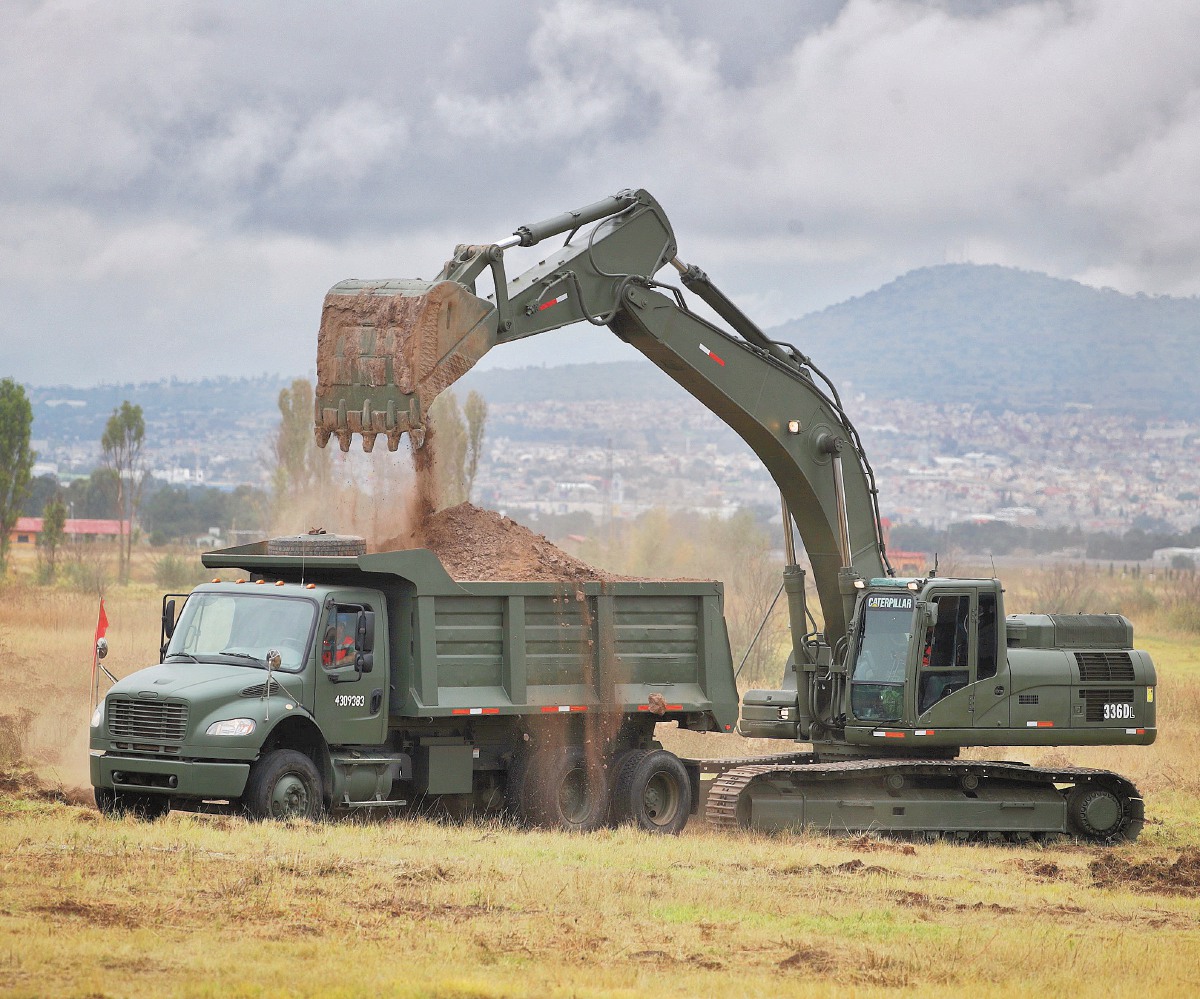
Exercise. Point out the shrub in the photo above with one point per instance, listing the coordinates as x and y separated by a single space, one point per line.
177 572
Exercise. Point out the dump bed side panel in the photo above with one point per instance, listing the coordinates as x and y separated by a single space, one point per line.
537 648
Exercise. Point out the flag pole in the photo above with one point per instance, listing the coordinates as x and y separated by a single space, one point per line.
101 630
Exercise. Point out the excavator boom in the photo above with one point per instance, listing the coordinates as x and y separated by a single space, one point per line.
387 348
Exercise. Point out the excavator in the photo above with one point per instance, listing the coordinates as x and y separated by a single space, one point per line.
902 674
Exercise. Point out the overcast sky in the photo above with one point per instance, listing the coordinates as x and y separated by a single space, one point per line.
181 183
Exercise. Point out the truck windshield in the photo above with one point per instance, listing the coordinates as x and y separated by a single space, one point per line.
877 688
243 628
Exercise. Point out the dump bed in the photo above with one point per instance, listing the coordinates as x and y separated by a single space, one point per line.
515 648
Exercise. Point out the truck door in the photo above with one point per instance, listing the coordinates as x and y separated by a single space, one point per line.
352 680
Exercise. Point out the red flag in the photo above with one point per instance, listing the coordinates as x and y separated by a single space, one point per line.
101 623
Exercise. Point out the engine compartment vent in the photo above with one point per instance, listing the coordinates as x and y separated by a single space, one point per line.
1105 667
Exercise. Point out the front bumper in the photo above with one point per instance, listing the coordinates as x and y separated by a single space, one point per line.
200 779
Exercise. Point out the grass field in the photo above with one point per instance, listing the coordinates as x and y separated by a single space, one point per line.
214 906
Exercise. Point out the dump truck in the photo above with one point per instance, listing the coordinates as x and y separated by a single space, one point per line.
320 677
901 673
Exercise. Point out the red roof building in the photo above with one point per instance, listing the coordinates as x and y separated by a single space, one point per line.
27 529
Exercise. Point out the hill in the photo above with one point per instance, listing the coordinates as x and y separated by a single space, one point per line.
1005 338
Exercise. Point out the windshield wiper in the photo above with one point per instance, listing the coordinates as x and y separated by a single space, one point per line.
182 655
243 655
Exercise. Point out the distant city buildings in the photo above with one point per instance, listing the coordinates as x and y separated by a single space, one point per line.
935 464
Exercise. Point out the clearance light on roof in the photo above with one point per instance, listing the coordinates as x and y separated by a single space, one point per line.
310 586
279 582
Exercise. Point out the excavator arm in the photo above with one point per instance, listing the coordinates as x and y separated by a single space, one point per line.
386 349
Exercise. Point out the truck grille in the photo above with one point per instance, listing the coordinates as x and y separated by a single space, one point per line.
147 721
1105 667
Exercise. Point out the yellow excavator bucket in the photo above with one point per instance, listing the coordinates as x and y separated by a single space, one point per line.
386 349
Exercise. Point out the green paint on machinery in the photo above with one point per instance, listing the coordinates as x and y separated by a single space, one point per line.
354 681
481 708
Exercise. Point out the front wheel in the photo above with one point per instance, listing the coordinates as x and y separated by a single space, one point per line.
283 784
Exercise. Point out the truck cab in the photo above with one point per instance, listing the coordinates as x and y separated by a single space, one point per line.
246 665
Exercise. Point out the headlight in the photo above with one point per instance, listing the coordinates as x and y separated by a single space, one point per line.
98 715
231 726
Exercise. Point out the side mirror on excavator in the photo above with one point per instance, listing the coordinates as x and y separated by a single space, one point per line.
930 615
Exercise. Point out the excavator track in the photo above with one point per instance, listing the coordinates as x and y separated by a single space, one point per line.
962 798
724 764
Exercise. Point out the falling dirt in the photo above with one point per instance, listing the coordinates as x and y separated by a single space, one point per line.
1158 874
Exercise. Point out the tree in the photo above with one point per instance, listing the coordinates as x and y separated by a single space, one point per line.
54 525
476 413
299 463
122 441
16 459
450 440
459 443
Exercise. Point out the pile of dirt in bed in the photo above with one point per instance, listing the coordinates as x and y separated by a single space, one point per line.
478 544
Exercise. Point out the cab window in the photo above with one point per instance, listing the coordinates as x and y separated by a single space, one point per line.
337 647
881 656
987 636
945 658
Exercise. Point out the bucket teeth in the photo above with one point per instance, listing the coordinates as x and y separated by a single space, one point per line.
386 349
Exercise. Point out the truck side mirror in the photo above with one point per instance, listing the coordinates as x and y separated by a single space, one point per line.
168 619
930 614
364 632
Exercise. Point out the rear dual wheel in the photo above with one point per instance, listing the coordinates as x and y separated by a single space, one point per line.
563 789
652 791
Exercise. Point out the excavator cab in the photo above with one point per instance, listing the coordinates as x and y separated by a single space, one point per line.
935 642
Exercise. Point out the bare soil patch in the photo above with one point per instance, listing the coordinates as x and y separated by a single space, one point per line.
17 782
95 913
1158 874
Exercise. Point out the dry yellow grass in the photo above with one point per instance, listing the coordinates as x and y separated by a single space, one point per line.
205 906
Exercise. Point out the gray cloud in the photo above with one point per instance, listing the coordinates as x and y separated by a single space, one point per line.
181 183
